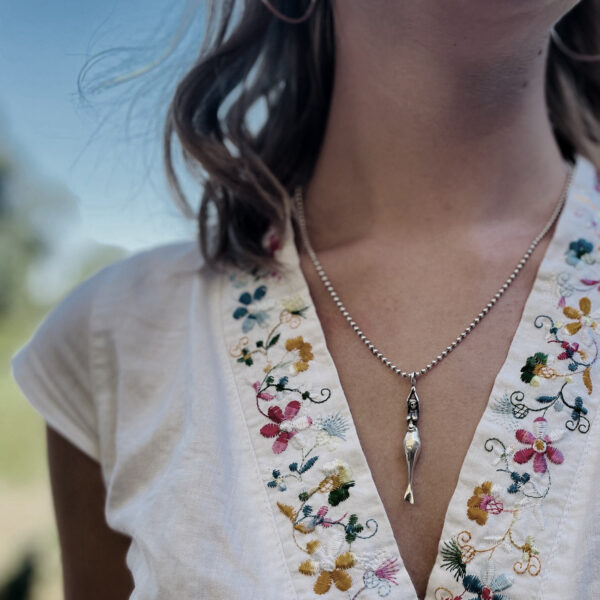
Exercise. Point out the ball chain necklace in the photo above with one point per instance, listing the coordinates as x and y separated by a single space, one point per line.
412 442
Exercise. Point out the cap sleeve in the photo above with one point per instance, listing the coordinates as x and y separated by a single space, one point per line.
53 371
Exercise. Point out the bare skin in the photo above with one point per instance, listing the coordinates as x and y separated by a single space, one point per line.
92 554
438 169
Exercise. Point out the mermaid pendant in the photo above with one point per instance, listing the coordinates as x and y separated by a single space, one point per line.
412 441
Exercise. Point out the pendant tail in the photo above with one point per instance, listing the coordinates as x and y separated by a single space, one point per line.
408 495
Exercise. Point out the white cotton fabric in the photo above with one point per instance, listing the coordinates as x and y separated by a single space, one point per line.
141 367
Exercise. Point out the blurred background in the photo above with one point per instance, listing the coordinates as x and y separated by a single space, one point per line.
84 87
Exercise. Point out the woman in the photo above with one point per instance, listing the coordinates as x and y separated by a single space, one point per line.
216 428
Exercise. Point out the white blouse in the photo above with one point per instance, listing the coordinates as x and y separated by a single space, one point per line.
230 455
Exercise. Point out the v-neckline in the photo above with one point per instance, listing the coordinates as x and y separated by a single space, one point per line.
295 283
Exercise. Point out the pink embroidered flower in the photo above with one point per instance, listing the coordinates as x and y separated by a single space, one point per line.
540 446
262 395
285 425
569 350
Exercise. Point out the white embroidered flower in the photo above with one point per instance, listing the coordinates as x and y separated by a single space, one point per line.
293 304
339 468
330 442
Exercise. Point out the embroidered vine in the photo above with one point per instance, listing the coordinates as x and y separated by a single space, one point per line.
311 491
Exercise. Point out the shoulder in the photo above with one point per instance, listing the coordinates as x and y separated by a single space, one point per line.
164 262
155 276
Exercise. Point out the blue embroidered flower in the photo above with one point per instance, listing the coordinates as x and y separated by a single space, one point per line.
334 425
252 317
278 481
579 409
579 250
518 481
485 590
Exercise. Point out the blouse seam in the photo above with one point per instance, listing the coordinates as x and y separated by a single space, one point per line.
93 362
247 433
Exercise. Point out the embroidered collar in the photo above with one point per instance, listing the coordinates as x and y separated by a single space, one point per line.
523 460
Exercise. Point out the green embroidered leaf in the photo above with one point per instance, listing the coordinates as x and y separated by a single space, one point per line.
293 466
259 344
452 557
303 496
273 340
340 494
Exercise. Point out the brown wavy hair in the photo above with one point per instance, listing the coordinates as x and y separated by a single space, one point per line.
288 69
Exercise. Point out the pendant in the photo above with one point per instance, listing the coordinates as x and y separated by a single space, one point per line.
412 442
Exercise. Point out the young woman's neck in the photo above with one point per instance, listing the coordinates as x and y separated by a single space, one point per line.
438 114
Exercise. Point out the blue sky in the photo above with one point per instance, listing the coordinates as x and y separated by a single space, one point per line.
116 179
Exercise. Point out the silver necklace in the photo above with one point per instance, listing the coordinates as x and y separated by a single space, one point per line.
412 442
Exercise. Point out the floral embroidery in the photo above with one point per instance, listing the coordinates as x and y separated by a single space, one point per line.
380 578
581 318
482 503
329 567
310 483
284 425
580 250
524 462
487 586
304 352
252 314
539 446
536 367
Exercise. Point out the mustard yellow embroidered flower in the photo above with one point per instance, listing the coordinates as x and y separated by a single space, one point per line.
482 503
580 317
304 353
331 568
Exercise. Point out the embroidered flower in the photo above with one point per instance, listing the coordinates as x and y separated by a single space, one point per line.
311 521
486 589
264 395
251 310
337 481
580 250
580 317
529 549
482 503
331 567
246 357
335 425
540 446
381 577
284 425
304 353
578 409
534 366
278 481
295 305
518 481
569 350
